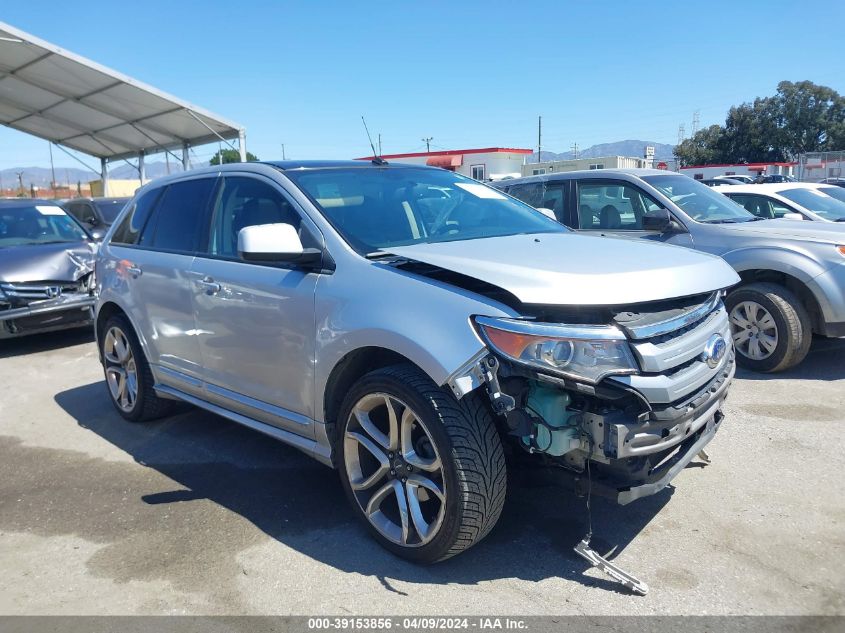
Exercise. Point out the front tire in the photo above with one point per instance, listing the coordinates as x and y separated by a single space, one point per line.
128 376
425 472
771 329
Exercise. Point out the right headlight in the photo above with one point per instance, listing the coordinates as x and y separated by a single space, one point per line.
583 352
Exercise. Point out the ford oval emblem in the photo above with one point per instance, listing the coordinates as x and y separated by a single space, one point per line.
714 350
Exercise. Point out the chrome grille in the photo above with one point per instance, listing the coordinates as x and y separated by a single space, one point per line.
30 292
670 351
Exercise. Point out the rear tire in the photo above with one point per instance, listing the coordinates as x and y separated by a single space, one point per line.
128 377
772 330
438 458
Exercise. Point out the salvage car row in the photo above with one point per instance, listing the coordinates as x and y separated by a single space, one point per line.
425 334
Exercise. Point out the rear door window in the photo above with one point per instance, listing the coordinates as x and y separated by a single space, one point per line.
612 206
542 195
136 218
761 206
179 219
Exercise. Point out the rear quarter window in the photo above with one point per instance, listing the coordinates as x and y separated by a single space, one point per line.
129 231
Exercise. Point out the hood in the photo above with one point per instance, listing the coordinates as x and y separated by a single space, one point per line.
572 269
827 232
68 261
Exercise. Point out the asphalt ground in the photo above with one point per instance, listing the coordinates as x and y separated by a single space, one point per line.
195 515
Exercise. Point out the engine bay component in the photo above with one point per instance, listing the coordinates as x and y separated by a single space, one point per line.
555 429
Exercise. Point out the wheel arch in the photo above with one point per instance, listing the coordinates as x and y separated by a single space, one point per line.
350 368
792 283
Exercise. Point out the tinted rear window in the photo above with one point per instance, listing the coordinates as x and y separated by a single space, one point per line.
178 220
133 222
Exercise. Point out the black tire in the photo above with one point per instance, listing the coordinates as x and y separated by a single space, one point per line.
465 437
792 322
147 405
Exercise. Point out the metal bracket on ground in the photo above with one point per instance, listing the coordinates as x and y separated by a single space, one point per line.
584 550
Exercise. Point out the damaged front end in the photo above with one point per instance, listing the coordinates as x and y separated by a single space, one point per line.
43 290
630 403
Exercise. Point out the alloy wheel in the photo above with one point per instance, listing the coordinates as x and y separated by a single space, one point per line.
121 370
394 470
755 332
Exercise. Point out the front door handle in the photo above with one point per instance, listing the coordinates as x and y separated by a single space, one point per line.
134 271
210 286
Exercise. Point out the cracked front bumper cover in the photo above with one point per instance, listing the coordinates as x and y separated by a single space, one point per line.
35 319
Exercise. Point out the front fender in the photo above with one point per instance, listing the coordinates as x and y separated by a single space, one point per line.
818 278
788 261
425 321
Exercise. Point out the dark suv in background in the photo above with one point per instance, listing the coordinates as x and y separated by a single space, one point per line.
96 214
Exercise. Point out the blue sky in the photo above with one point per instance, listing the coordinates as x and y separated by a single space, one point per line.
469 74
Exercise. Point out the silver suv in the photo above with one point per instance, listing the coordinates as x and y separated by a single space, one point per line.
793 273
418 331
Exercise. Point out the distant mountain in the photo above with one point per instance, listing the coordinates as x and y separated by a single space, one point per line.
662 151
151 170
41 176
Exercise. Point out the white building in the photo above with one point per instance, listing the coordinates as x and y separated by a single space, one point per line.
577 164
489 163
700 172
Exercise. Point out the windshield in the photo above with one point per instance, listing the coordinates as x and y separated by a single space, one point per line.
828 205
376 208
29 224
110 209
699 201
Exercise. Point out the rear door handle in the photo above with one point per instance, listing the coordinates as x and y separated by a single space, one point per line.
210 286
134 271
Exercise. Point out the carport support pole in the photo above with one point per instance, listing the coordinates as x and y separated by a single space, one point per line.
186 165
141 171
242 144
104 176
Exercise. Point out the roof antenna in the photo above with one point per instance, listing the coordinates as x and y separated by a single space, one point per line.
377 160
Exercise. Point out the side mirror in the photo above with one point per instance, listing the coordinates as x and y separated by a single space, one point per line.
92 221
547 212
659 220
792 216
275 243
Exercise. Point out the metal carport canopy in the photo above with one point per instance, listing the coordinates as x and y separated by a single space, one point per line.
64 98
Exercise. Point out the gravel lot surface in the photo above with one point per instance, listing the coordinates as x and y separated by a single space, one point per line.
193 514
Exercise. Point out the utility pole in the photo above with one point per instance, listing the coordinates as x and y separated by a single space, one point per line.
379 144
52 171
427 142
695 121
539 138
20 182
574 148
283 152
681 133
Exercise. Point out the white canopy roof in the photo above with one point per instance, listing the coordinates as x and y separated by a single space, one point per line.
67 99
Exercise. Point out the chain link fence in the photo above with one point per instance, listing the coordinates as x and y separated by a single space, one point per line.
816 166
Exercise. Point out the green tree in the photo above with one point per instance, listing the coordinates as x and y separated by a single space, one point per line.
231 156
811 118
703 148
801 117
